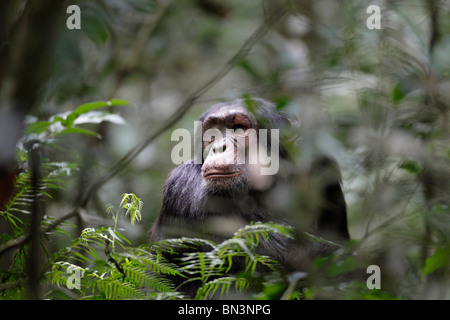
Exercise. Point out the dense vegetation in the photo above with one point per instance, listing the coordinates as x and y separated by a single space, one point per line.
99 104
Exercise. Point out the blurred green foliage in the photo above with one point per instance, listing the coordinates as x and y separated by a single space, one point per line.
377 100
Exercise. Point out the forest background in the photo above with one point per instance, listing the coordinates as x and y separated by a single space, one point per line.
88 107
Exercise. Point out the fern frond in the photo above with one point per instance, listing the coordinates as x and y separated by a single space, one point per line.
152 262
118 289
168 245
221 286
205 263
318 239
235 245
142 277
61 271
24 196
256 230
21 198
83 246
133 205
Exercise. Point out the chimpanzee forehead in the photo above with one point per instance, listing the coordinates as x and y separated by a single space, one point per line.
225 111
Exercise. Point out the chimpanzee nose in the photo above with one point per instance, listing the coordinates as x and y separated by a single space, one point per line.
219 147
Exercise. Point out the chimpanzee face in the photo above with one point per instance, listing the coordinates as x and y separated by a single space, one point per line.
230 141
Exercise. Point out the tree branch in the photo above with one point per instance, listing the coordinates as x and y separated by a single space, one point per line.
138 46
433 10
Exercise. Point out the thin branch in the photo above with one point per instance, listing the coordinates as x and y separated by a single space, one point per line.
138 46
395 218
111 259
145 32
185 106
433 10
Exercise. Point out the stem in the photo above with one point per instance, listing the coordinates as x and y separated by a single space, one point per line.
115 217
34 256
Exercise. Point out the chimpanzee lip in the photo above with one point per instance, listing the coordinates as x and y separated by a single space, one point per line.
221 174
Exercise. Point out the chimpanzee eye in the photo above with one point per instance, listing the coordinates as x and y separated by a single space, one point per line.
209 141
238 126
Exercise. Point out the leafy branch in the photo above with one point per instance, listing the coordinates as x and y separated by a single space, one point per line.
68 122
41 133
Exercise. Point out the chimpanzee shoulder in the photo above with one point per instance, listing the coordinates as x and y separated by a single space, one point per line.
182 191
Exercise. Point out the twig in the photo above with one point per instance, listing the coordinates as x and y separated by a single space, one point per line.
433 10
145 32
393 219
111 259
138 46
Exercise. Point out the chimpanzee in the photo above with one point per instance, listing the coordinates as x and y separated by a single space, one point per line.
205 198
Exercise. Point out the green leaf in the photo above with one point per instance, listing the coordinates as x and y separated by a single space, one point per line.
84 108
411 166
248 66
133 205
121 236
116 235
98 117
398 93
38 127
281 102
117 102
95 25
81 131
113 234
90 106
81 257
340 267
440 258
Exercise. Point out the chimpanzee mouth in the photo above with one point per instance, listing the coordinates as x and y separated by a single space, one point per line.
221 174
